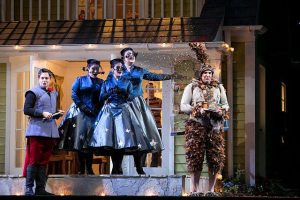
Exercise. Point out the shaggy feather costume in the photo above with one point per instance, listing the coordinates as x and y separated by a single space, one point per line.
203 132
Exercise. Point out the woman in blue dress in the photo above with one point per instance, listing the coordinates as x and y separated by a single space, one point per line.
117 130
77 125
138 104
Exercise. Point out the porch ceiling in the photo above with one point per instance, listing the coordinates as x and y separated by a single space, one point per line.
163 30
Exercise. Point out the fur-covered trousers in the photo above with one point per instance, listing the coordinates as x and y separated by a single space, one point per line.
201 140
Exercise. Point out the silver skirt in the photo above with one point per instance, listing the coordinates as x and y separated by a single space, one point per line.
147 121
117 128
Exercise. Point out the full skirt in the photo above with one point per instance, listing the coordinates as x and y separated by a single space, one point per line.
117 128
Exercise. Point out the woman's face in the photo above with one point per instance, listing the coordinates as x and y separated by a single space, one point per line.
94 70
118 70
129 57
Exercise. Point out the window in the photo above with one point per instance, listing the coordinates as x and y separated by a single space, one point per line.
21 120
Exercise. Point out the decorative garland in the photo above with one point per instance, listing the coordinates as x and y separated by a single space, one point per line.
199 49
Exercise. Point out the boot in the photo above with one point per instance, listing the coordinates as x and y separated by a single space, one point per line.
31 172
41 180
89 163
117 163
81 160
138 163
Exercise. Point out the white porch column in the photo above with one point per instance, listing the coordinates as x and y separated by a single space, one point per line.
246 35
250 111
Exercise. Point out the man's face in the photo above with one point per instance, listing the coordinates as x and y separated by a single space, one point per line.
206 77
44 80
129 57
150 90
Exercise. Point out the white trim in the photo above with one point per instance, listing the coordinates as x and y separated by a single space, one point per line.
124 9
181 8
30 10
58 10
114 9
152 8
133 9
49 10
250 112
96 9
142 8
172 8
8 117
67 9
40 10
21 10
191 8
3 8
104 9
162 14
12 10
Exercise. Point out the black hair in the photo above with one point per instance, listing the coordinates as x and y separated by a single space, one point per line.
127 49
91 62
45 70
115 61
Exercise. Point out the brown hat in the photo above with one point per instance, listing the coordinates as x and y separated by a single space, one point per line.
205 67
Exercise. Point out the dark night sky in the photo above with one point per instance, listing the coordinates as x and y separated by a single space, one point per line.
282 38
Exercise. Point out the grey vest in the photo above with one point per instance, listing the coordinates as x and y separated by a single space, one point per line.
37 126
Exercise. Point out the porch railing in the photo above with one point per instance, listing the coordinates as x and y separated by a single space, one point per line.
36 10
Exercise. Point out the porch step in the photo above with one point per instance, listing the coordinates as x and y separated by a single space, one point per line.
103 185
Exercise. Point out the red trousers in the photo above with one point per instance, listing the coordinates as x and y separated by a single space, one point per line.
38 151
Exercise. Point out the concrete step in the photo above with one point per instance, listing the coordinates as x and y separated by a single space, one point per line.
101 185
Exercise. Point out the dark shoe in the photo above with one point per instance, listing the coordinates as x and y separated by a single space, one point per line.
140 171
29 191
31 172
116 171
90 172
43 193
80 173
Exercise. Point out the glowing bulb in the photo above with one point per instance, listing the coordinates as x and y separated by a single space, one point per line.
226 46
17 47
184 194
53 47
219 177
90 46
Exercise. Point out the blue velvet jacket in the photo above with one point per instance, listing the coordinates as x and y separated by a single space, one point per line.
136 76
116 91
86 91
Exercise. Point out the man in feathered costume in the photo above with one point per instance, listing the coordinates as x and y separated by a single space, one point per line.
206 102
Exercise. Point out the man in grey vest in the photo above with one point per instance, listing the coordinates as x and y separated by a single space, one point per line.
41 133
